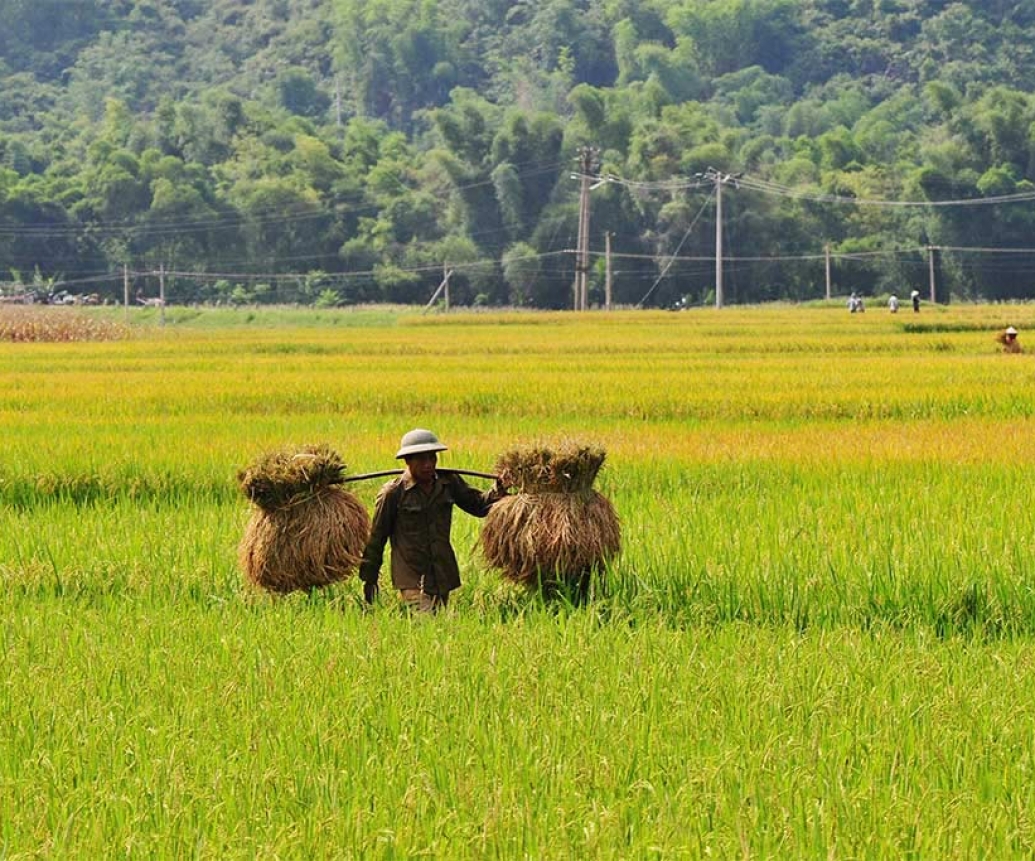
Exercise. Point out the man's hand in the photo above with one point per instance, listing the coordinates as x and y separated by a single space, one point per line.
370 590
499 489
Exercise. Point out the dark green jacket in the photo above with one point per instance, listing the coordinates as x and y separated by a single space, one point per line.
418 524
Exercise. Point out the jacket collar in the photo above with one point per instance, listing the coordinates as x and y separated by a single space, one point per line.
408 482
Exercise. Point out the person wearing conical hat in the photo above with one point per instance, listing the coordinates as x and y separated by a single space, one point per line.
1009 341
414 513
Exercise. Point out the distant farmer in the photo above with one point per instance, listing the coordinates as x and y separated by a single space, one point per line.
893 304
915 296
414 512
854 303
1009 341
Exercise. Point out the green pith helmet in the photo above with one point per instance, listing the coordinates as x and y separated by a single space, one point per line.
418 441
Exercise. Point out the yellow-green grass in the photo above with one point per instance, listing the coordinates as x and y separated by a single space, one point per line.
815 643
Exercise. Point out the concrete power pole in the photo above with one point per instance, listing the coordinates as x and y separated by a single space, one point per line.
720 179
161 295
718 241
608 274
930 270
582 257
826 255
587 165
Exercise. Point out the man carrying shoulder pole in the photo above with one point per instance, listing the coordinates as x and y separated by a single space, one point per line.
414 512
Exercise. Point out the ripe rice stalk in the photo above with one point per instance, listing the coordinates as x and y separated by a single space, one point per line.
556 530
305 531
27 323
285 477
569 467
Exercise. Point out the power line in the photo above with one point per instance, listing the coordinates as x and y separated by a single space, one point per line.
160 227
672 259
775 189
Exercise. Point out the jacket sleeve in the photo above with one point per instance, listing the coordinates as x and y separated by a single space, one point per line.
380 531
474 501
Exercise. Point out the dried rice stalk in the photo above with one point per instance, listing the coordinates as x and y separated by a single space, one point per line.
556 529
548 539
305 531
284 477
567 468
314 543
23 323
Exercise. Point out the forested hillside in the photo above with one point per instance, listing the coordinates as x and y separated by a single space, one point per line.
338 151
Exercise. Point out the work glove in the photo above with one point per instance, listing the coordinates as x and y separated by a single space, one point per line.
499 489
370 590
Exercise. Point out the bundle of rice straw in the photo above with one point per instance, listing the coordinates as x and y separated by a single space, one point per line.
305 530
555 530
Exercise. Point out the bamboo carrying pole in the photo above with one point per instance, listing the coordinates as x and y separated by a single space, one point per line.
388 472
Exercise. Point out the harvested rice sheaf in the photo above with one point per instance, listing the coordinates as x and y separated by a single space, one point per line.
568 467
555 529
287 476
306 531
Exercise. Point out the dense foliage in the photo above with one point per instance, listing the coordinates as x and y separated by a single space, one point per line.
337 151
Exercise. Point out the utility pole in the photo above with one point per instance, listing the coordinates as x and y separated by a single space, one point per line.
447 274
125 289
608 273
826 254
580 253
720 179
930 269
587 165
718 241
161 294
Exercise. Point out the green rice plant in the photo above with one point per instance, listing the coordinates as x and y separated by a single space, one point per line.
815 643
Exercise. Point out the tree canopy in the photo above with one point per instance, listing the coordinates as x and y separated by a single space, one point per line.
341 151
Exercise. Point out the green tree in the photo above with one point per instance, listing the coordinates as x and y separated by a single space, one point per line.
521 268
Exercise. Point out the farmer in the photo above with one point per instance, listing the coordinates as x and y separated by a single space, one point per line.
1009 341
915 296
414 512
893 304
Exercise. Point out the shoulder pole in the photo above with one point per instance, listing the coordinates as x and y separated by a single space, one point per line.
388 472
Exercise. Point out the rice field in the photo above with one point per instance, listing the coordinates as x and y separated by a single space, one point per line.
817 641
